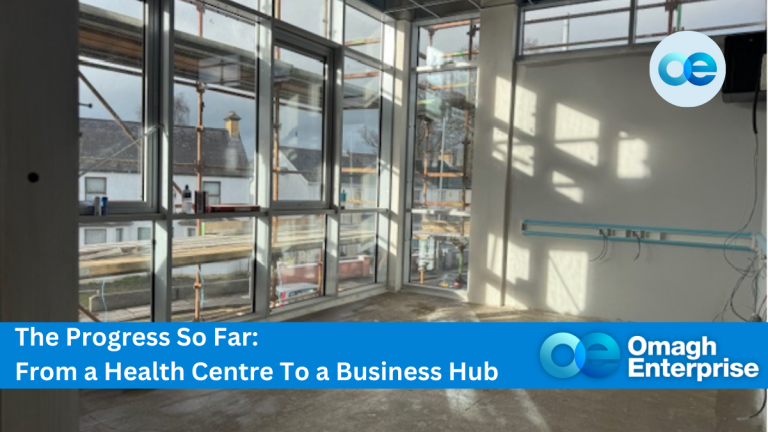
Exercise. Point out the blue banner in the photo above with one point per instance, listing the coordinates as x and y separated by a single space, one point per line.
383 355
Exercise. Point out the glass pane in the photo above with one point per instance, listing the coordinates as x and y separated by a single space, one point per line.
357 250
577 26
362 32
115 275
216 256
299 96
445 124
710 17
298 253
440 251
449 43
310 15
111 97
361 139
214 107
263 6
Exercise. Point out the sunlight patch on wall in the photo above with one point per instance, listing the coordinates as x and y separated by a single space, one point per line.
633 157
519 263
587 151
500 145
525 110
566 186
572 124
502 95
522 157
567 281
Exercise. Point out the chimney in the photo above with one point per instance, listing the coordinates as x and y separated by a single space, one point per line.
232 123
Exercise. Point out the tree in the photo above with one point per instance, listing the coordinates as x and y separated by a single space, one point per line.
180 110
530 44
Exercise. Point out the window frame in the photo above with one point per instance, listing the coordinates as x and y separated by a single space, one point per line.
631 45
292 40
152 127
158 209
407 241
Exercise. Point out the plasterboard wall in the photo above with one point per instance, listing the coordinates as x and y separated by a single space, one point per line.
593 142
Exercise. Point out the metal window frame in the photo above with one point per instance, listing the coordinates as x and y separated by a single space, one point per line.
158 75
631 46
410 211
310 45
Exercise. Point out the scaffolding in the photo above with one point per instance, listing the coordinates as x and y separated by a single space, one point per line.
436 227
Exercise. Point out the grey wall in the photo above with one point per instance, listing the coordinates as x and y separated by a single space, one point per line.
38 220
593 142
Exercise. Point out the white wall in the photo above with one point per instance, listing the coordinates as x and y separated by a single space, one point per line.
593 142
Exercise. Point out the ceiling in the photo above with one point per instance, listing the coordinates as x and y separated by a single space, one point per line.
419 9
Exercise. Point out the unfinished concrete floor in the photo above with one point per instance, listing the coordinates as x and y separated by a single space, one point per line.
419 410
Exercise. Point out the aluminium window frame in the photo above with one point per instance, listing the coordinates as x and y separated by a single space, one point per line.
410 211
152 128
158 78
631 47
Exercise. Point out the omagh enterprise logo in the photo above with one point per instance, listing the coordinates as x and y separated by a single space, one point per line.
687 69
596 355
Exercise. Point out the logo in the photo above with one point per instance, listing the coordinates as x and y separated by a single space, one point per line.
596 355
687 69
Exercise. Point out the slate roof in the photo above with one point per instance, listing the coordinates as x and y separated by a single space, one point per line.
224 156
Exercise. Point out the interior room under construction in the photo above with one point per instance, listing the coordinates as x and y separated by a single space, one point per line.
377 161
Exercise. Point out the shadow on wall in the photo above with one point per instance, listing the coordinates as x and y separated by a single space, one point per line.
594 150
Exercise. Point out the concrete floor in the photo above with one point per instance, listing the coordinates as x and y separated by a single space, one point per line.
413 410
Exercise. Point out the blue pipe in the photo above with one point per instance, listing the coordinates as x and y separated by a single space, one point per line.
638 228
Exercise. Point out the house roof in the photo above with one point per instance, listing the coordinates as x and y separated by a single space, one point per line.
104 147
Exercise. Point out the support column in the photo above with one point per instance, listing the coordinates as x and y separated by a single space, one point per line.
398 243
493 149
38 189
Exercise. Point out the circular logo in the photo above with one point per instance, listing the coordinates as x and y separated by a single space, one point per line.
596 355
687 69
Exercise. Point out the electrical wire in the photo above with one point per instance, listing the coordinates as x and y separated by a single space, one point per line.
639 245
755 165
729 302
762 408
604 251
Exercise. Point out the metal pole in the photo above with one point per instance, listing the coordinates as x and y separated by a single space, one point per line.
198 286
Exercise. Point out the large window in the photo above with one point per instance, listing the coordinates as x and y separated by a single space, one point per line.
113 139
441 154
285 129
212 271
607 22
115 276
300 109
214 110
